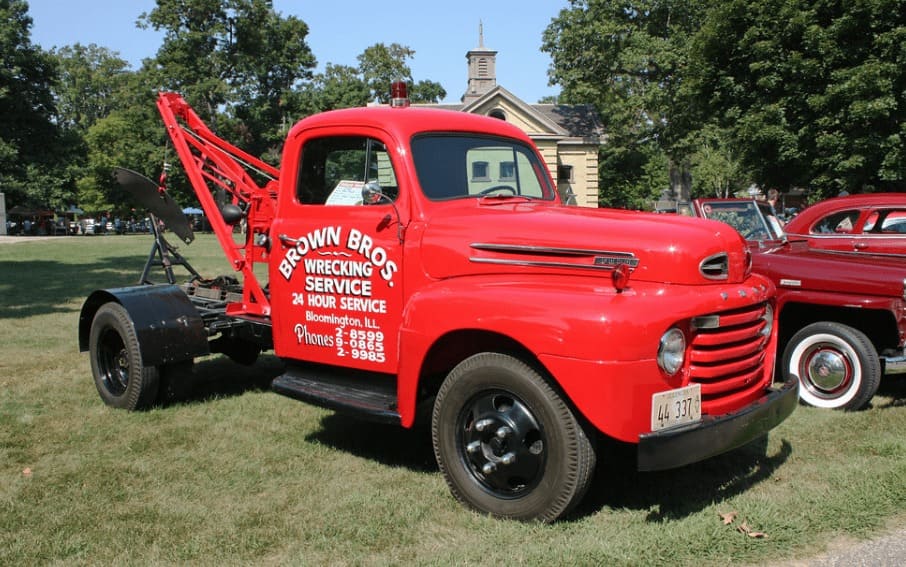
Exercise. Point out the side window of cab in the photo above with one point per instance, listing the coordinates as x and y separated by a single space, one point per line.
333 170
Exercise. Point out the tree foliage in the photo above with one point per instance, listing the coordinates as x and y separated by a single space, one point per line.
628 59
813 90
90 82
780 93
380 65
235 61
32 148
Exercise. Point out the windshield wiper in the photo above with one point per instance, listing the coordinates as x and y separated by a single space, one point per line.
501 198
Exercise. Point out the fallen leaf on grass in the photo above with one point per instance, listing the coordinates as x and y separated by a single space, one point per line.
744 528
26 472
728 518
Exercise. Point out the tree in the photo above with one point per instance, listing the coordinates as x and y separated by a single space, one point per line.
628 59
339 86
424 92
90 82
130 136
233 59
718 171
812 92
31 146
380 65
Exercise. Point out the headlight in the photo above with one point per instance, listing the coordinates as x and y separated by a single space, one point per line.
768 320
671 351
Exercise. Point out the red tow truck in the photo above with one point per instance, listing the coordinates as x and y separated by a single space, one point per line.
418 264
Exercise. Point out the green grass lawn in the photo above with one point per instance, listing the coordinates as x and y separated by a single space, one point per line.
230 473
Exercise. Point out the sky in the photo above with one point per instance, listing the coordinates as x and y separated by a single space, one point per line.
339 30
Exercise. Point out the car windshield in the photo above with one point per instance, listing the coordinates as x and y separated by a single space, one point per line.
753 220
458 166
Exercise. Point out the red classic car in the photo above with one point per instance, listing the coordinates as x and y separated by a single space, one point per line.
840 316
872 223
754 220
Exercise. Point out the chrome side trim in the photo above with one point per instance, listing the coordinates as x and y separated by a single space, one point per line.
537 264
600 259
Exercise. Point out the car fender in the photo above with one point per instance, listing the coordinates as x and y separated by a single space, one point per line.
168 326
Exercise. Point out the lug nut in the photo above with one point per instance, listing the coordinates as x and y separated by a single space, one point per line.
504 432
473 447
489 468
508 459
483 424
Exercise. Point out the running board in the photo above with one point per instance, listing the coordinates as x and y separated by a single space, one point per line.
368 395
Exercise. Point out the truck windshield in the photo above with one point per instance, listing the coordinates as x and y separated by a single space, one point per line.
461 166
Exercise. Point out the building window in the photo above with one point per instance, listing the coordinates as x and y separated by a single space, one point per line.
507 170
565 173
497 113
480 171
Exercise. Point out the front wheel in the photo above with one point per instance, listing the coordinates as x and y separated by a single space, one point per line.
837 366
506 442
122 380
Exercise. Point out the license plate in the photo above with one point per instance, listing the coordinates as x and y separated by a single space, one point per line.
676 407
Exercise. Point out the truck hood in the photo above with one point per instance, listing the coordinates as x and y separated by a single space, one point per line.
483 236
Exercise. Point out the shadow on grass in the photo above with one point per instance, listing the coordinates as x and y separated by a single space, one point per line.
41 287
892 386
388 444
677 493
668 495
216 377
665 495
219 377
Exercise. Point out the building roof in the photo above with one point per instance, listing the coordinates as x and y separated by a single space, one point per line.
564 120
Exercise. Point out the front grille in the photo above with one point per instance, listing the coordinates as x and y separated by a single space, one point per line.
728 359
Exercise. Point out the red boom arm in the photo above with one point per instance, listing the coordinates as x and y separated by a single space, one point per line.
213 164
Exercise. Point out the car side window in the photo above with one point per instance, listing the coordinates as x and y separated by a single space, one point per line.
836 223
333 170
886 221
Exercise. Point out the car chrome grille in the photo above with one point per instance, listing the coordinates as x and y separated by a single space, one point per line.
728 359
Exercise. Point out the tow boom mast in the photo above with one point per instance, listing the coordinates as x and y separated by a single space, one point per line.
213 164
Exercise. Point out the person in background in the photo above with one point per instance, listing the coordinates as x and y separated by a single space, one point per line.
773 198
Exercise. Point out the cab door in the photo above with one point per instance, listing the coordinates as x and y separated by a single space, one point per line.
335 271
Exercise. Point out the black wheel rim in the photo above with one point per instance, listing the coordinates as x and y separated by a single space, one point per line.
501 443
113 362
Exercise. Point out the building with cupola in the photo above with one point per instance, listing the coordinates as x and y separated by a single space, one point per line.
568 135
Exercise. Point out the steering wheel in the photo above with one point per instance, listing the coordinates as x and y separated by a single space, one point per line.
754 234
490 190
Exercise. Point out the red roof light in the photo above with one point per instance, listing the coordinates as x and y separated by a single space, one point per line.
399 94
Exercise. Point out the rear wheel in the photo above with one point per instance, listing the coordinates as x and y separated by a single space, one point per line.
116 361
506 442
837 366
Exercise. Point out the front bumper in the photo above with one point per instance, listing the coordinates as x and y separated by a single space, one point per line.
715 435
894 364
